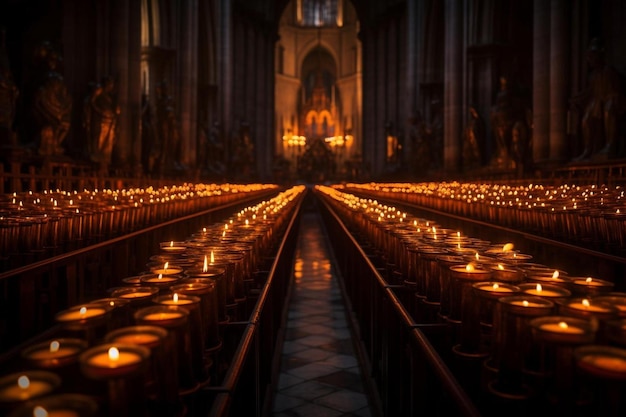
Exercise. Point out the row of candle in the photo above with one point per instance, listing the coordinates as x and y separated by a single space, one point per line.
163 328
54 219
593 216
488 294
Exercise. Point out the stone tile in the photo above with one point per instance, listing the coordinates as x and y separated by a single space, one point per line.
309 390
344 400
313 354
284 402
363 412
316 329
315 340
291 346
312 370
316 319
340 346
285 380
314 410
290 362
294 333
343 379
341 361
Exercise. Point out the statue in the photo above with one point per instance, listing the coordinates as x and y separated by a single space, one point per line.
601 103
167 131
104 115
52 105
520 146
503 116
473 140
243 156
435 133
8 98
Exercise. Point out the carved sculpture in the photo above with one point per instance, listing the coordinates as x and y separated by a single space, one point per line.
473 140
104 117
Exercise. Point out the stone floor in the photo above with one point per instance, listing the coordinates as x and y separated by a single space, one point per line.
319 375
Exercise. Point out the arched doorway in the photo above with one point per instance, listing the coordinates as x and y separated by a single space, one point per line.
317 97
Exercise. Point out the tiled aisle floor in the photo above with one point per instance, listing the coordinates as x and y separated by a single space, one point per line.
319 375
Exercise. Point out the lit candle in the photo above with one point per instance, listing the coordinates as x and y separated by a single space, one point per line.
62 405
113 361
602 361
81 314
54 353
544 290
166 270
22 386
563 329
590 286
173 247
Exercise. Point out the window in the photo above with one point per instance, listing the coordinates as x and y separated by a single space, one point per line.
320 13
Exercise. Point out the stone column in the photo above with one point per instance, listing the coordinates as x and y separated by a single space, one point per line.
188 82
225 69
541 81
453 85
559 78
134 85
119 31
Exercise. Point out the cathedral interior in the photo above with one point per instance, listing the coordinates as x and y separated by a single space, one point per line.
312 207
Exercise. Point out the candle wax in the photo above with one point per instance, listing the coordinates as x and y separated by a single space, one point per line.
161 316
16 393
610 363
555 328
62 413
135 294
592 283
181 301
102 360
545 293
75 315
590 307
168 271
497 289
62 352
137 338
530 304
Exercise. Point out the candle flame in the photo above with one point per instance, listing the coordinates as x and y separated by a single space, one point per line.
171 243
501 267
477 256
212 257
23 382
507 247
226 226
204 230
205 267
160 276
469 267
495 286
585 303
588 280
39 411
82 311
563 325
246 222
525 303
54 346
555 275
114 354
167 264
458 235
539 288
112 303
175 297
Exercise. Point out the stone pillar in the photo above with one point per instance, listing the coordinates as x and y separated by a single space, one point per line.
225 69
119 31
453 85
188 81
541 81
559 78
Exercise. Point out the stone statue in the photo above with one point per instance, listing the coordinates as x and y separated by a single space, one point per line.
8 98
167 130
52 104
503 116
244 162
420 144
520 146
602 103
473 140
104 116
149 145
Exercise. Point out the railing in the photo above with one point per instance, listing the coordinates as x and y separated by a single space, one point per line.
32 294
410 376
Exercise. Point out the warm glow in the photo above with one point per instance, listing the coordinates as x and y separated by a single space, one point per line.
495 286
175 297
501 267
54 346
585 303
212 257
205 267
469 267
114 354
563 325
166 265
171 243
23 382
160 276
525 303
477 256
539 288
588 280
555 275
82 311
507 247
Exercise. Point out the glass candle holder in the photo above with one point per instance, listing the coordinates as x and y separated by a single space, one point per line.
616 332
162 381
138 296
162 282
602 370
190 303
617 300
205 289
19 387
589 287
61 405
487 295
122 368
553 292
506 273
120 312
173 247
175 320
88 321
218 276
557 337
512 348
444 263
